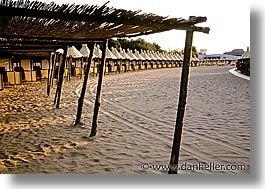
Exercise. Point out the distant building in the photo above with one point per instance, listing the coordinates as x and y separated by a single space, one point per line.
203 51
204 56
217 57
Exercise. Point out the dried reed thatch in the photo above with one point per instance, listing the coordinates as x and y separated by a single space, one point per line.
33 25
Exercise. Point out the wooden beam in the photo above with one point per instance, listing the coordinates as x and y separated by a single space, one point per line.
27 49
82 95
99 90
181 105
34 40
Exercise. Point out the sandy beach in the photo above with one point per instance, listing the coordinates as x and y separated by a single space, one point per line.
136 124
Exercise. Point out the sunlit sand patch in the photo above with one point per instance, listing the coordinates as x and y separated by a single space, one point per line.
2 166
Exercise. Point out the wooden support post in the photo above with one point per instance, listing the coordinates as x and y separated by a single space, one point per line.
53 68
82 95
182 104
31 69
50 73
69 70
60 82
99 90
120 66
57 78
82 63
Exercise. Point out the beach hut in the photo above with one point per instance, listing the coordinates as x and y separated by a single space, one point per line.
173 59
97 54
118 60
126 59
4 65
158 61
152 59
4 68
16 73
56 68
111 62
133 60
192 63
168 59
109 59
74 59
1 81
140 60
85 53
243 63
197 61
96 60
147 59
33 68
181 59
163 60
177 59
45 66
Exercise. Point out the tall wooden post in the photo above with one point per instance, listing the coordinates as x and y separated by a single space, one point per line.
182 104
82 95
99 90
82 63
69 70
50 73
60 82
53 68
31 69
57 77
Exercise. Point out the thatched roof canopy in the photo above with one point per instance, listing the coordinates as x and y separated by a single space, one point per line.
36 25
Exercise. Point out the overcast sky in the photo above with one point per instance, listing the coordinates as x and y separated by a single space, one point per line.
229 21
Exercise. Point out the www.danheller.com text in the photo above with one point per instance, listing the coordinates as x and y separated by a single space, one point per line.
211 166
